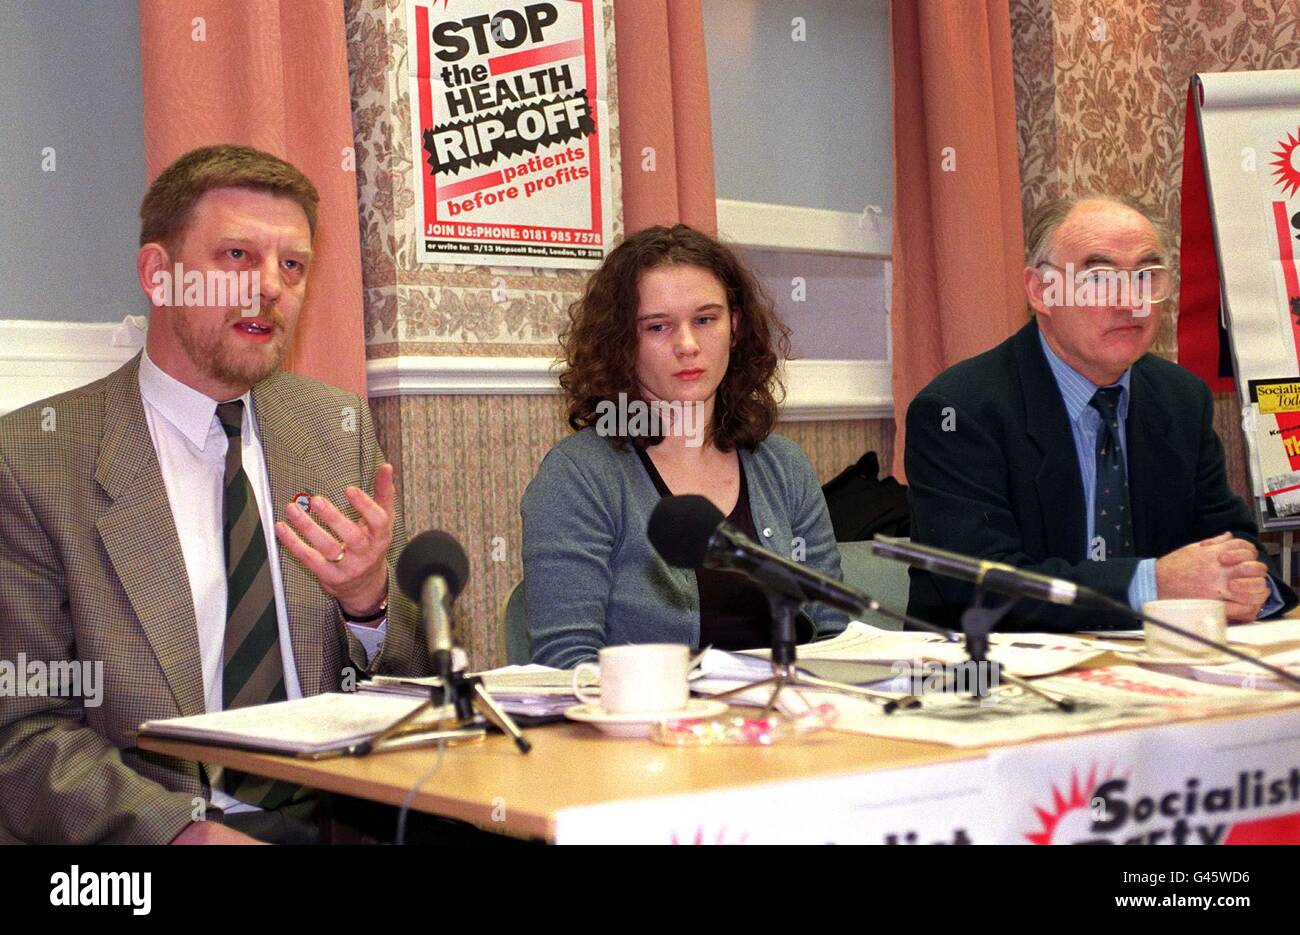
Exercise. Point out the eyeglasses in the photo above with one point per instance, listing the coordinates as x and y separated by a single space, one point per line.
1109 285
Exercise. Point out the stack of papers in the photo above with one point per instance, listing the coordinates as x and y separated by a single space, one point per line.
720 670
888 663
1266 633
524 691
1025 654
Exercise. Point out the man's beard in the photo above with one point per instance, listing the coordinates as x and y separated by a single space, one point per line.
210 353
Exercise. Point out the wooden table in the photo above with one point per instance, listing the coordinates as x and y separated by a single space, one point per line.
492 785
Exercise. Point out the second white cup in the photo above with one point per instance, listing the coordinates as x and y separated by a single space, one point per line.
1203 617
642 678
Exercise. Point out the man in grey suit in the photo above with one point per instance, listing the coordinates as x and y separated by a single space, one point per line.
145 520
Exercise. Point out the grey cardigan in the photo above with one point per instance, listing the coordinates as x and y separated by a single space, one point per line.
592 578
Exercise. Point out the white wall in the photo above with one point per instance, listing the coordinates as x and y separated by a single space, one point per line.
801 103
804 123
834 303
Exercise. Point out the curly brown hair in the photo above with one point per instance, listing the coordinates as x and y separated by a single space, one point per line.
600 342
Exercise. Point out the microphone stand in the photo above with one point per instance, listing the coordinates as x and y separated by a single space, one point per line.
398 734
986 610
472 707
784 598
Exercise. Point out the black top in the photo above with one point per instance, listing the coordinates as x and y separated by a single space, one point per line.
733 611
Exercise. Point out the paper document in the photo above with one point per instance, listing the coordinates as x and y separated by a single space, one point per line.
720 670
1126 635
1244 675
1115 696
317 724
1265 633
1024 654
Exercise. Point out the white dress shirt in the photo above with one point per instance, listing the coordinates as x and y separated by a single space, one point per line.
191 448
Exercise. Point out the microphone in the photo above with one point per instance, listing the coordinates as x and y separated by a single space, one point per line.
1007 579
995 576
432 571
688 531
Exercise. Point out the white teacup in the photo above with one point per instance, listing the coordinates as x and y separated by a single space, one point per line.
641 678
1205 618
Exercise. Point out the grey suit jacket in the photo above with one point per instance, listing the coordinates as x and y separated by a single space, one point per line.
592 578
91 569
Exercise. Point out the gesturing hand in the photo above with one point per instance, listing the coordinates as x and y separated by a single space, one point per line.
351 559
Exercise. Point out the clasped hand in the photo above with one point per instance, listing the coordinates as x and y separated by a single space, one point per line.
1221 568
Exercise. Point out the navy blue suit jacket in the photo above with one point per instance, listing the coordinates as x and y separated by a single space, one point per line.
1004 482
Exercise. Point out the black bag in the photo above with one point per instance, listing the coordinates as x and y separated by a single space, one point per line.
862 505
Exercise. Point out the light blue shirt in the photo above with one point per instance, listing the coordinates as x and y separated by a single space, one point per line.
1077 392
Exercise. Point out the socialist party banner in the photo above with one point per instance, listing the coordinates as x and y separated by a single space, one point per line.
1233 781
509 132
1249 131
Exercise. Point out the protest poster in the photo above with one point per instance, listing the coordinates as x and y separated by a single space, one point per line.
509 132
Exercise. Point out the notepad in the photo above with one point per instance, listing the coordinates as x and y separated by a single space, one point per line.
304 727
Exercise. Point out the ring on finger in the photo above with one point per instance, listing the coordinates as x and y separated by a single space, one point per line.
343 550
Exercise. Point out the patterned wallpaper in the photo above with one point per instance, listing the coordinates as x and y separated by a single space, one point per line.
463 461
1032 61
1101 89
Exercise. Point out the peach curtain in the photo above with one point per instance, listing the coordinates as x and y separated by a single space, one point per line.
665 131
271 74
958 236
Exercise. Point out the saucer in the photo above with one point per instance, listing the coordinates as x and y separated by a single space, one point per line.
638 724
1144 657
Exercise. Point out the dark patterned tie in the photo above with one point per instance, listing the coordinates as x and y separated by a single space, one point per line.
253 671
1112 521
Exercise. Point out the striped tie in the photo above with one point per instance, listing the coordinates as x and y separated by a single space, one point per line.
253 671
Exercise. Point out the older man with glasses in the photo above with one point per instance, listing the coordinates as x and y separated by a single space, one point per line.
1070 450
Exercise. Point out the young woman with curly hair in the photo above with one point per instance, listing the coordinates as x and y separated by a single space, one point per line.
672 324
